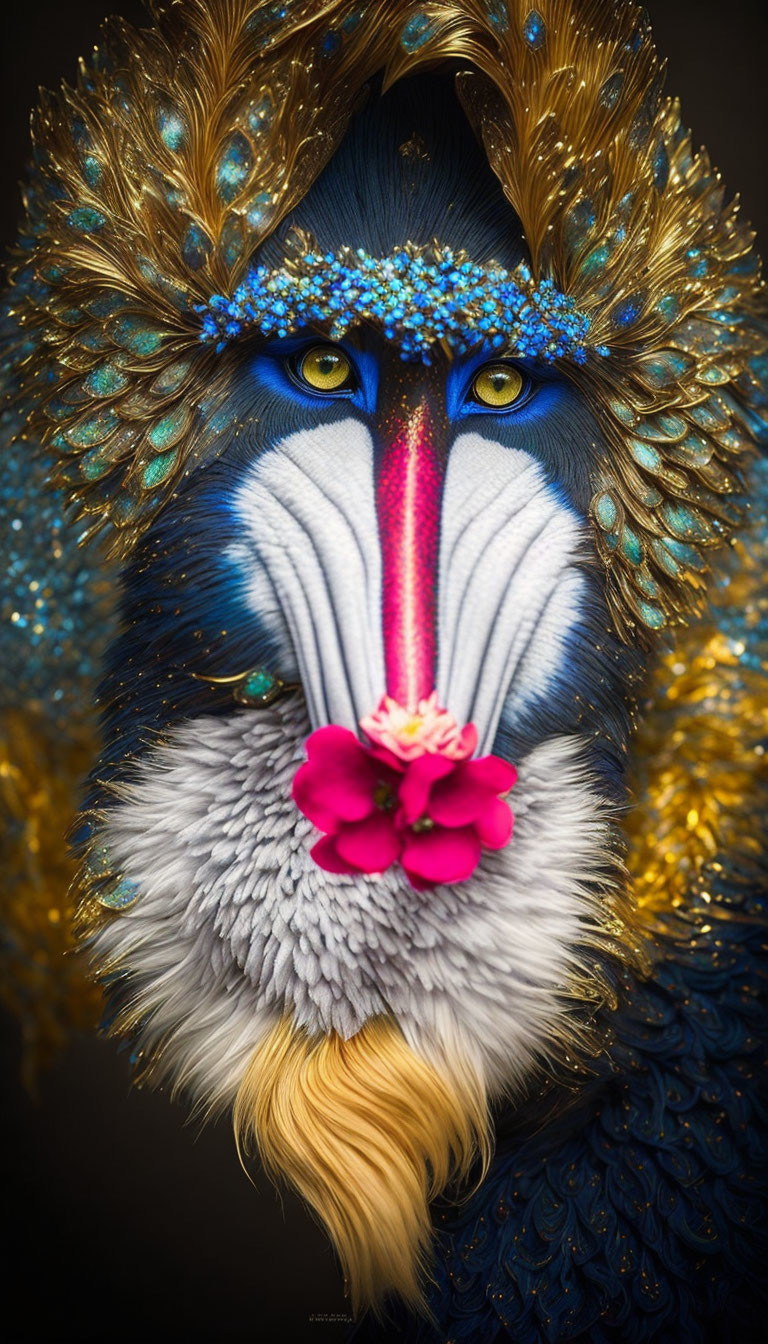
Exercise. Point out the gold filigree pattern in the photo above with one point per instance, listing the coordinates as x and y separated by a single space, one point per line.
183 146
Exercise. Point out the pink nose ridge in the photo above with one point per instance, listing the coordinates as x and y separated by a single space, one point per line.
408 497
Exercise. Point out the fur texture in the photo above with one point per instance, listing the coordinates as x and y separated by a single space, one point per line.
236 924
368 1132
509 579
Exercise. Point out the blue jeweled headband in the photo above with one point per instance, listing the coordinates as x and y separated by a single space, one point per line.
418 296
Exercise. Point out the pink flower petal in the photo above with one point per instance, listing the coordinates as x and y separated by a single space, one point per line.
467 742
371 845
338 781
311 798
494 826
441 855
329 796
497 775
459 799
420 775
327 856
386 758
334 746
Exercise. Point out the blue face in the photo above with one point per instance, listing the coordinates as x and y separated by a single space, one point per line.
308 496
361 523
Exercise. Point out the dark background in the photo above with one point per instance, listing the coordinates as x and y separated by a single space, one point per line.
124 1222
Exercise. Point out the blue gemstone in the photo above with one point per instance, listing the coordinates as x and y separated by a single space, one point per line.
86 219
417 32
606 512
534 30
645 455
196 247
610 90
660 166
259 115
628 311
330 44
172 129
498 16
92 170
259 211
259 687
234 167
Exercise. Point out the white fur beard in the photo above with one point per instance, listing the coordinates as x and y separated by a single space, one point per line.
236 926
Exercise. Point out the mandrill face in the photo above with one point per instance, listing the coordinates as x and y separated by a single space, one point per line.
376 525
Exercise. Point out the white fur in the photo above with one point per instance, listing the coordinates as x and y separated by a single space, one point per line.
311 563
509 592
236 923
509 586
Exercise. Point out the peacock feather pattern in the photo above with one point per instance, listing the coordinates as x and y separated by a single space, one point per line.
182 148
624 1197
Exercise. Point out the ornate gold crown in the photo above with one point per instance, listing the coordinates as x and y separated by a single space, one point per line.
183 146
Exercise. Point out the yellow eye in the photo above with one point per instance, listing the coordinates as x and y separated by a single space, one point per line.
497 385
325 368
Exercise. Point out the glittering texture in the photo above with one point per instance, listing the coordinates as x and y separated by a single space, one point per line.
55 619
419 297
408 496
252 99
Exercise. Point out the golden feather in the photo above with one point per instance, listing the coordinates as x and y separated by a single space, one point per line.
183 147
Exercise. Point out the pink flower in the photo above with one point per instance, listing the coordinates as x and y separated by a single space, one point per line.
410 733
449 812
350 791
435 812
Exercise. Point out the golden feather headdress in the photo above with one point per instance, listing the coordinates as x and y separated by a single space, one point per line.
183 146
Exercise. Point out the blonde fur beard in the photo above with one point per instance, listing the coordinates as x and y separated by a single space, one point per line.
368 1132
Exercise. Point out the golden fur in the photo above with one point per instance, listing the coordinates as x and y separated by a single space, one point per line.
368 1132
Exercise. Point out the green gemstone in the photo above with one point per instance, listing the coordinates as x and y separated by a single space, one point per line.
631 546
259 687
684 522
132 332
596 260
165 433
86 219
92 431
652 616
158 471
645 455
118 895
95 464
105 380
606 512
